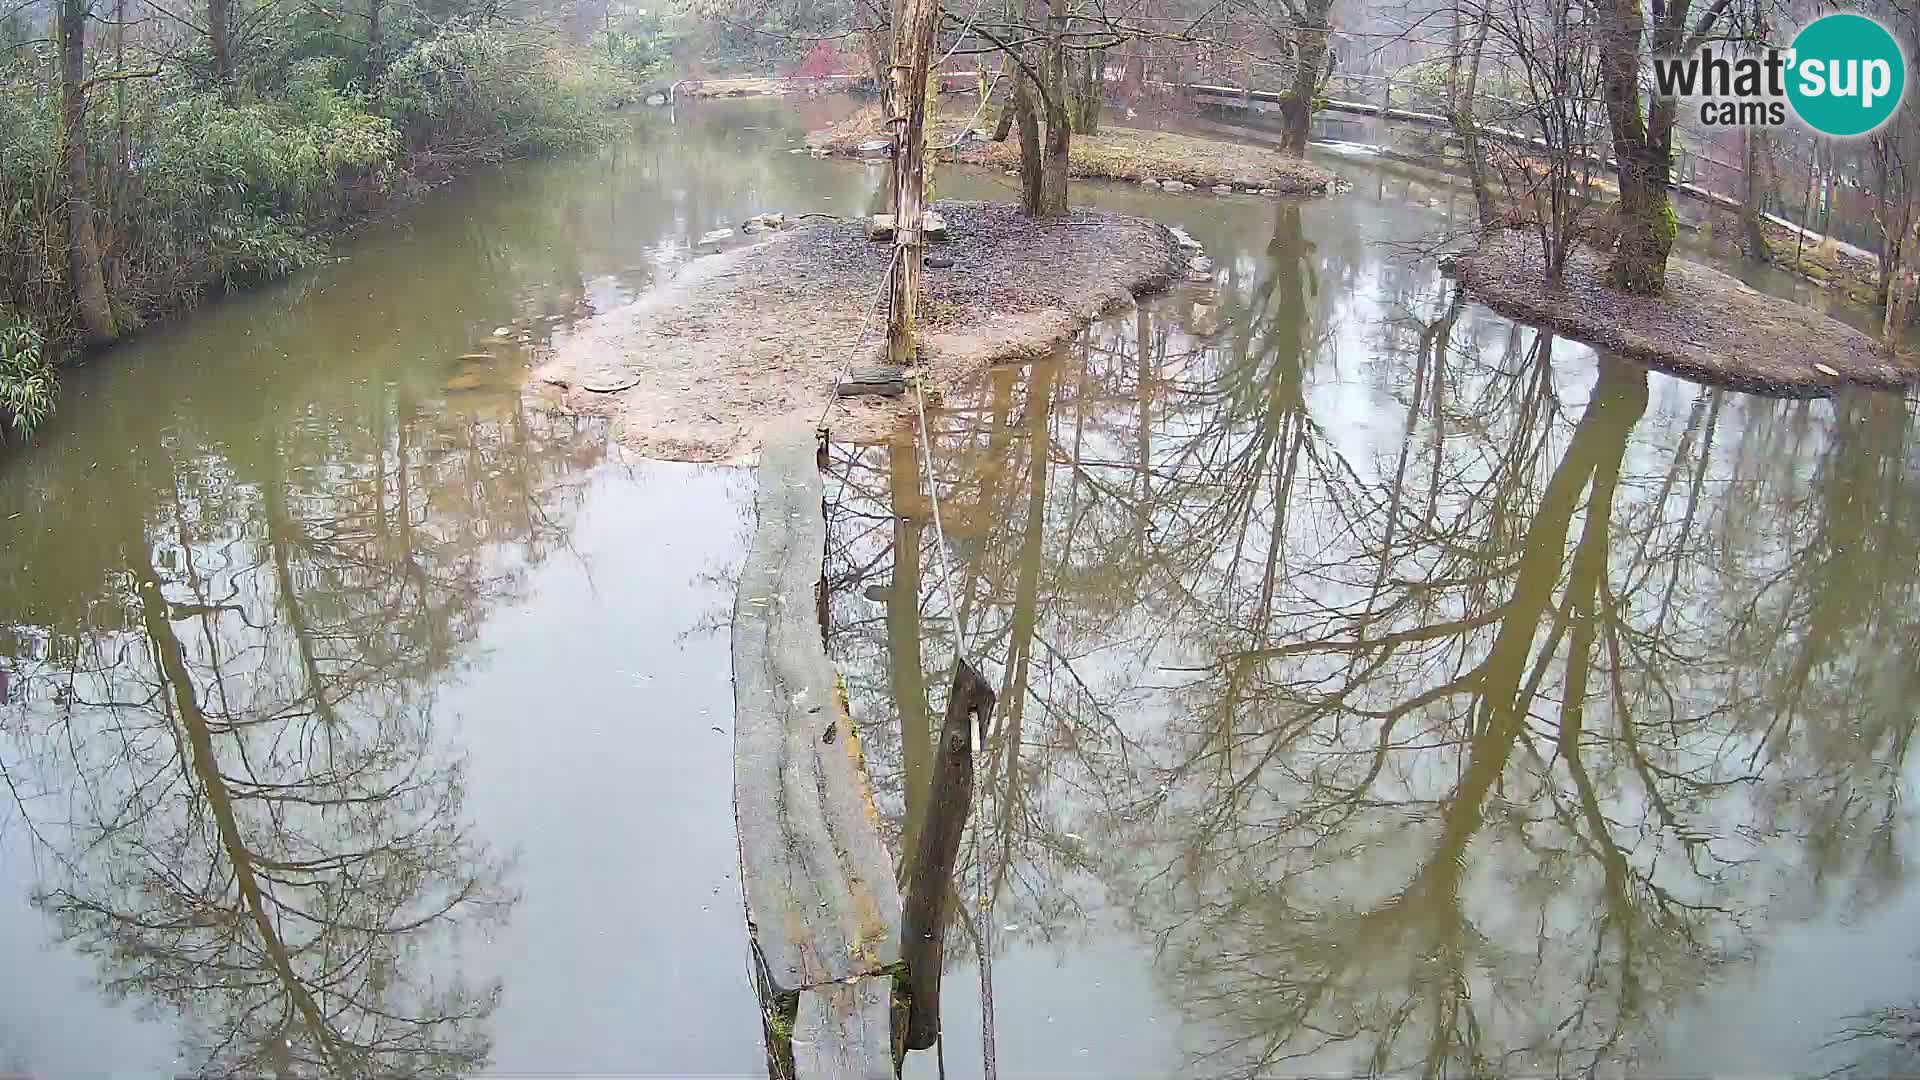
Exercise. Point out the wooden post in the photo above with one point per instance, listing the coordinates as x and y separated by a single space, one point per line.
923 919
909 78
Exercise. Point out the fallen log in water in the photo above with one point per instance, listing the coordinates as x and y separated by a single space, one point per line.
822 906
950 797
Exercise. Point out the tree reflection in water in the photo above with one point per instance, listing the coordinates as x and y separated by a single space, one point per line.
1477 740
228 753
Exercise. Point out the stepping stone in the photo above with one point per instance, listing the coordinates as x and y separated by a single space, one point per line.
880 382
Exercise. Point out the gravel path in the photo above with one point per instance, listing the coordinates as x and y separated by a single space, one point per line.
696 370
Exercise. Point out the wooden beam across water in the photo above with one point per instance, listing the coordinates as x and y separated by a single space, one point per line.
823 909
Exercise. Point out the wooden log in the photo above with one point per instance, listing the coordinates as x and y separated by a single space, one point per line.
911 61
923 923
843 1030
822 905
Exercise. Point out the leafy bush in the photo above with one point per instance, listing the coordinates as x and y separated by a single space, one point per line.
479 91
27 378
641 47
202 185
231 190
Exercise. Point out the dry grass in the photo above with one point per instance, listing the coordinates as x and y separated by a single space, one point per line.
1116 153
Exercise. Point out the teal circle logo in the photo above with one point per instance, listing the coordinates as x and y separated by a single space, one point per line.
1847 75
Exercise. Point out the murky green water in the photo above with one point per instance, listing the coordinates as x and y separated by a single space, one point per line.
1385 687
1388 688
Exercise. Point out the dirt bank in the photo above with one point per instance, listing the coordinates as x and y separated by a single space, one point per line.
1114 153
697 369
1708 326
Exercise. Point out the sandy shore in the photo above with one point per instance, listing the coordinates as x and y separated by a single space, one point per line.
698 369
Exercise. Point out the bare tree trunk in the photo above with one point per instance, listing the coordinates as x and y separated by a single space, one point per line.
1023 112
910 92
1000 107
1310 53
376 41
1133 80
1466 125
876 40
1754 237
1893 210
219 19
1092 72
84 271
1904 283
1053 171
1644 152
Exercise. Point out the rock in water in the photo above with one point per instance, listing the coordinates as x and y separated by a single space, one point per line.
1223 189
933 226
1184 238
881 227
716 236
656 99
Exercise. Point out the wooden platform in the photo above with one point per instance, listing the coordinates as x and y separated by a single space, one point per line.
822 906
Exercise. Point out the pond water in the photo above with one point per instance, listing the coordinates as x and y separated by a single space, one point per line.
1385 687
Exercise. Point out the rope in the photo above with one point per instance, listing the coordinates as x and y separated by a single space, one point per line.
983 900
846 366
984 905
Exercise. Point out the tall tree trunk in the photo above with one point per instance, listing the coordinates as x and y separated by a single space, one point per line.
1463 92
1000 107
84 271
1030 166
219 18
1643 146
1893 210
1090 85
1310 54
911 93
1904 282
1133 81
1753 236
376 41
1053 172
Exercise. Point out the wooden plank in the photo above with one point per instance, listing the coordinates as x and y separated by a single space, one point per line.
822 905
923 926
842 1030
912 55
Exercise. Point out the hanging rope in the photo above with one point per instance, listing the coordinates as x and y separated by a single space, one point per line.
846 364
983 913
983 899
